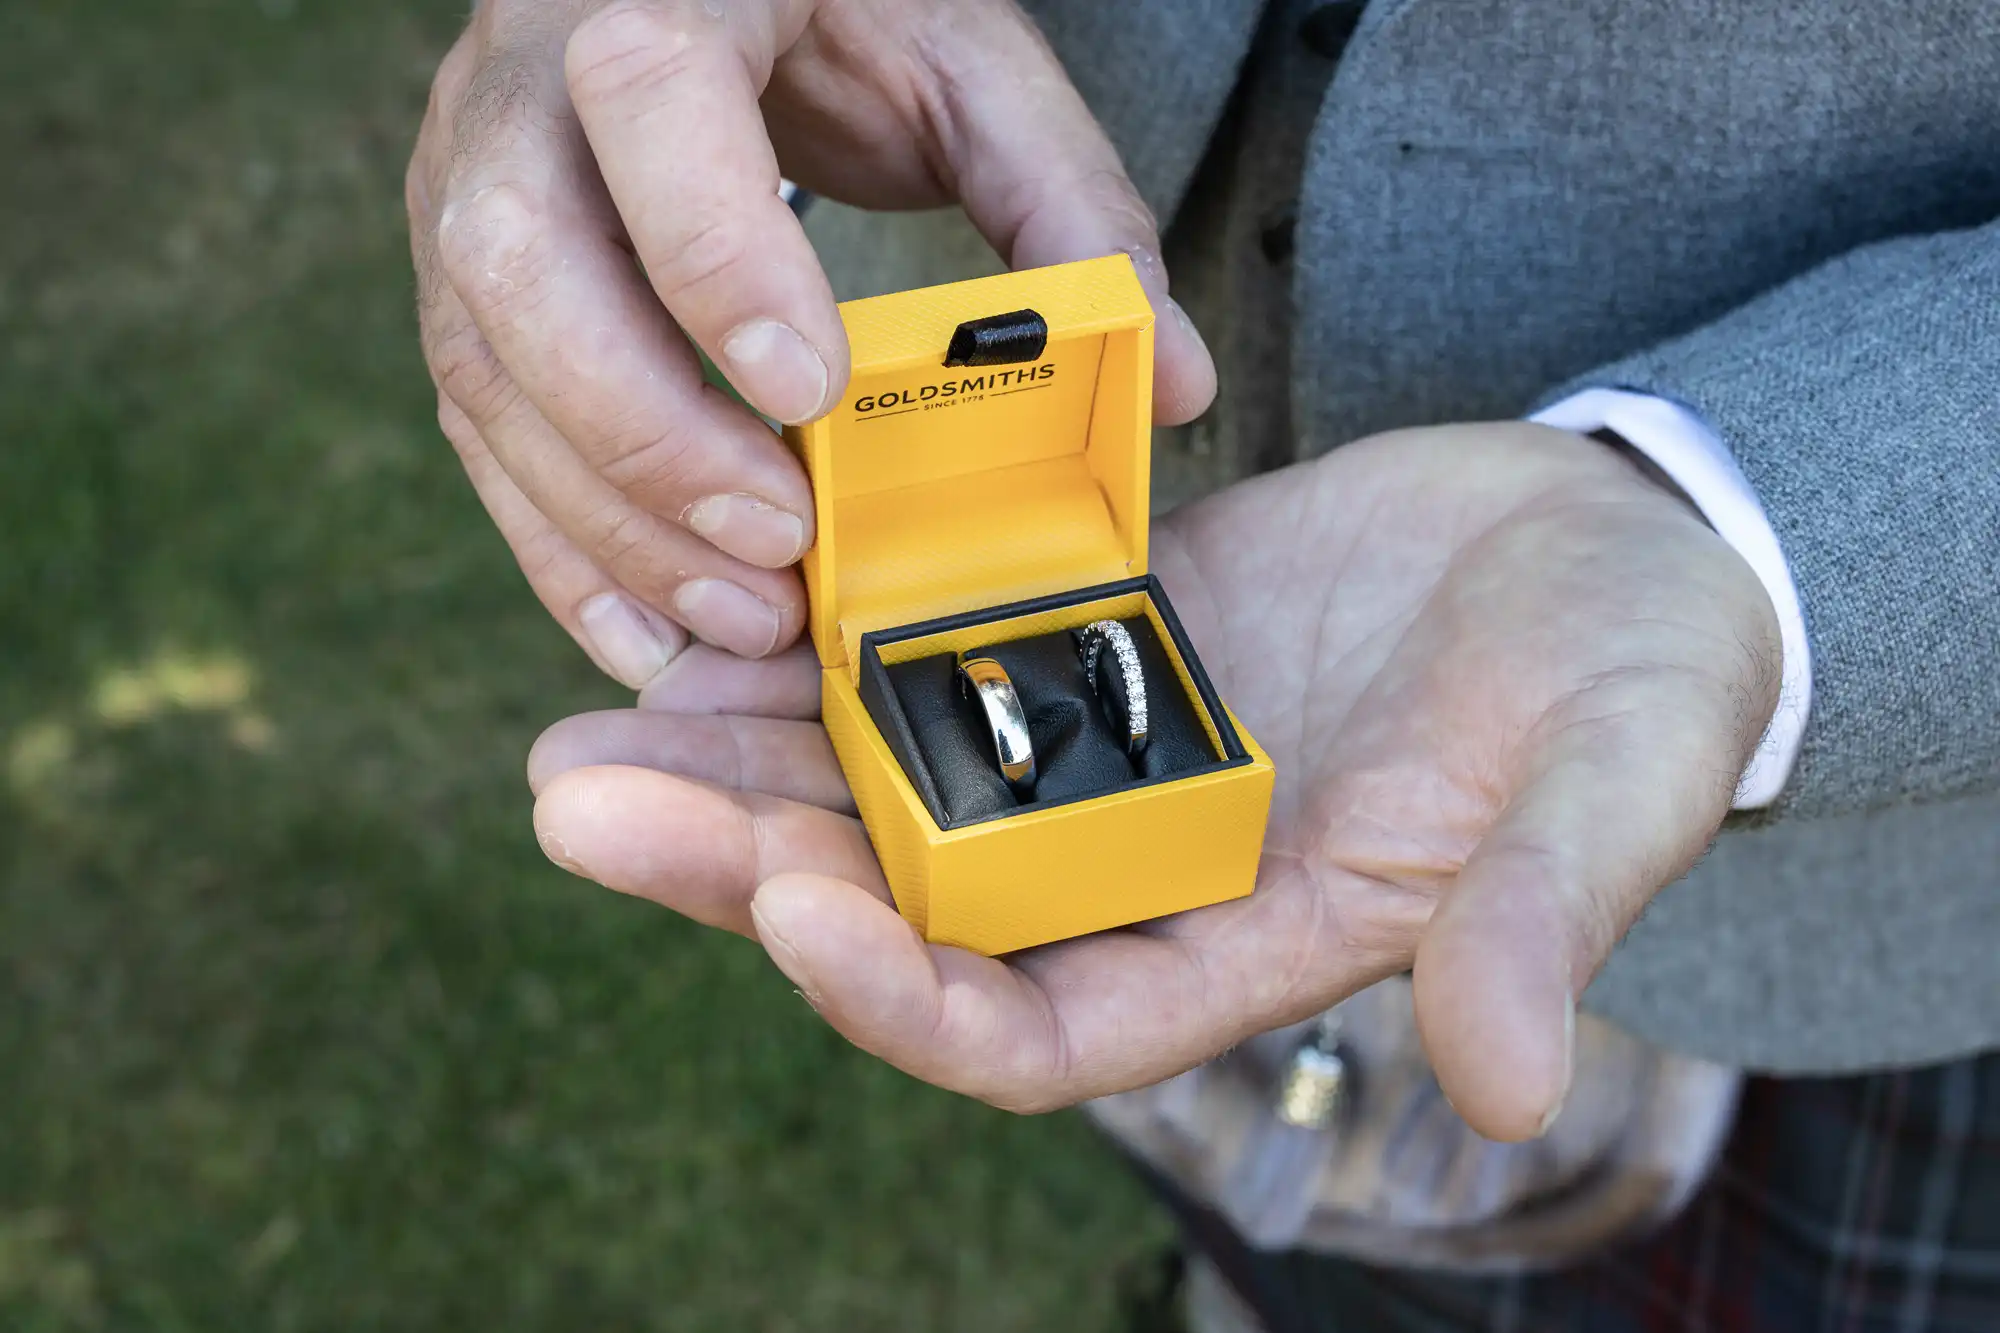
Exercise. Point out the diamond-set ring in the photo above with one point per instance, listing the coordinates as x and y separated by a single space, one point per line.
1127 715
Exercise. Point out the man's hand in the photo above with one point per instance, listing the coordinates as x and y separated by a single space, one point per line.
1508 684
566 137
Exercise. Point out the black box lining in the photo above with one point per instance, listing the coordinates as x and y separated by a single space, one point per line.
879 695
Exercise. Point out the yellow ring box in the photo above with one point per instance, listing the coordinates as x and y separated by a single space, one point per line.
961 506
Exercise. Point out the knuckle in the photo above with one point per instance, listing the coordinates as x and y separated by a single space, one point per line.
1042 1076
1112 190
706 253
493 247
469 373
420 192
458 429
614 532
627 50
417 185
641 461
431 285
543 555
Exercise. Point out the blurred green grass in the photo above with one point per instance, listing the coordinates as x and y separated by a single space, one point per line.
297 1028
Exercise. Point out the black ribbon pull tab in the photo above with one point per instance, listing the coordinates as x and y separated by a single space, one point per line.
998 340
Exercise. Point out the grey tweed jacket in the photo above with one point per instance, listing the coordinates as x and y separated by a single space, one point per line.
1781 214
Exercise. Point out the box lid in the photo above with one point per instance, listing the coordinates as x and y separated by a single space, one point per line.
1016 468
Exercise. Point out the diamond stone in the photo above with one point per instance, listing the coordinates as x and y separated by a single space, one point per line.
1096 636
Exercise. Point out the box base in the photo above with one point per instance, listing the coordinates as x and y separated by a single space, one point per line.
1050 870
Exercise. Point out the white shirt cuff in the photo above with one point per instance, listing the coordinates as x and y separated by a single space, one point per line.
1681 445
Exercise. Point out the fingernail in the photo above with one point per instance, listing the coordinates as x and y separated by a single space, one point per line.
749 529
552 847
1569 1063
1180 317
1146 263
728 616
776 369
632 642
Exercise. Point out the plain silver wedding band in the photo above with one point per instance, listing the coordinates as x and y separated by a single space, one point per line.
987 681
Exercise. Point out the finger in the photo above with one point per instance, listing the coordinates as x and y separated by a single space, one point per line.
629 641
667 92
1039 179
423 182
626 639
528 242
1071 1021
735 605
792 760
703 680
695 848
1632 784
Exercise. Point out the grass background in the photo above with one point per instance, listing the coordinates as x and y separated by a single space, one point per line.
297 1028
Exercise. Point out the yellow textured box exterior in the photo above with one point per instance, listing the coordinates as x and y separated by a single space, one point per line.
1047 875
903 832
1074 869
941 491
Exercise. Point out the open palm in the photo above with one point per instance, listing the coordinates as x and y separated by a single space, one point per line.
1508 684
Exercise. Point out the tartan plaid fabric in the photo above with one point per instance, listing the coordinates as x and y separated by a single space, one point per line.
1843 1205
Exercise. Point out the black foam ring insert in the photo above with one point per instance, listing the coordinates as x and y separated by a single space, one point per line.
1077 752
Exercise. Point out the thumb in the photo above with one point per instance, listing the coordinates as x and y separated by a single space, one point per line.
946 1016
1039 179
1623 797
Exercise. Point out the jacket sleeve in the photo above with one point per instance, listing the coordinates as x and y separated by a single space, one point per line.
1862 402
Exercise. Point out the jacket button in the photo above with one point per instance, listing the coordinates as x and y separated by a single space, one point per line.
1326 30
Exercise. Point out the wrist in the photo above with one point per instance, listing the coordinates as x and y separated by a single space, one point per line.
1596 460
1643 464
1680 444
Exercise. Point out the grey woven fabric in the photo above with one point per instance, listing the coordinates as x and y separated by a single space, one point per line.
1157 73
1498 198
1776 213
1863 402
